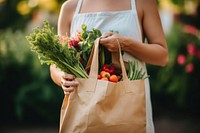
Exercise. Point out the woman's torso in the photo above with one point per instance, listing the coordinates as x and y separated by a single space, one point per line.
125 21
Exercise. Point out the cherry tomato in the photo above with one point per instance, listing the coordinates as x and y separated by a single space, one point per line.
99 77
113 78
104 74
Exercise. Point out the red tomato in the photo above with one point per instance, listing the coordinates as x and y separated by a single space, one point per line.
99 77
104 74
113 78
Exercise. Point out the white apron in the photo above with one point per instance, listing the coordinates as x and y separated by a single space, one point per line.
127 24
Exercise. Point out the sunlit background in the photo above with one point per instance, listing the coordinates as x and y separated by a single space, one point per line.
30 102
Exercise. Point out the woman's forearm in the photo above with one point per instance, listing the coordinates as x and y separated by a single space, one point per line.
154 54
55 74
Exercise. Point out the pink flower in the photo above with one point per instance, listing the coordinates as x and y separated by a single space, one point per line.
73 43
191 49
189 68
181 59
190 29
78 36
63 39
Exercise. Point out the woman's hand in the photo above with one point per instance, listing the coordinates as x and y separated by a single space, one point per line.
111 41
68 83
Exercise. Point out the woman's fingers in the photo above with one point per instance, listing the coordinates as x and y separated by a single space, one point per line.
68 90
66 83
110 43
68 76
107 34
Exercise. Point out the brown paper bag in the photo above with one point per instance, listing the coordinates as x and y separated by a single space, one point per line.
98 106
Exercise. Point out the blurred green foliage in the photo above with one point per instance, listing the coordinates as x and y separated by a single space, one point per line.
27 92
11 17
15 20
177 85
178 2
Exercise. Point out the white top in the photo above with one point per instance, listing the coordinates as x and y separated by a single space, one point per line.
126 23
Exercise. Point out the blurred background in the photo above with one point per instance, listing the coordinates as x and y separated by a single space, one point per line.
30 102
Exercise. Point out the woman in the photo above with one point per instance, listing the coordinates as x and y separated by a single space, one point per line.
135 20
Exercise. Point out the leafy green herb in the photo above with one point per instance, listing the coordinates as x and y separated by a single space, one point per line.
47 45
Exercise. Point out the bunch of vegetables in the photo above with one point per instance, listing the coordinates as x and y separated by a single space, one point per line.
109 73
71 54
134 72
86 42
49 49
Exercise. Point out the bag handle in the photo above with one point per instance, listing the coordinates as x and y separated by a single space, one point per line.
94 64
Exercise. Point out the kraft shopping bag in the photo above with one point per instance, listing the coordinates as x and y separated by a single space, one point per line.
98 106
